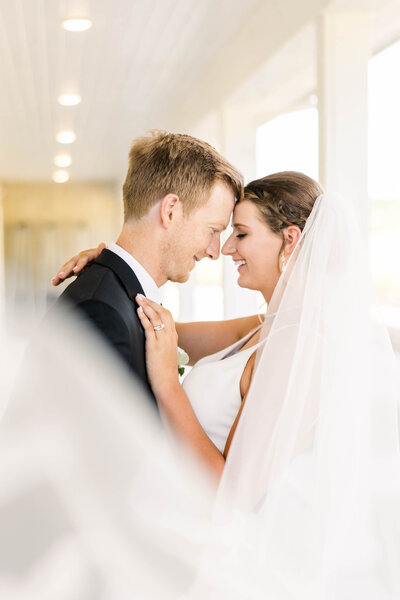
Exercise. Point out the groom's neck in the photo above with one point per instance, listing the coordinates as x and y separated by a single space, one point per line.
141 241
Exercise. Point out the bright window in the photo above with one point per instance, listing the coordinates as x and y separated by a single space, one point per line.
384 180
289 142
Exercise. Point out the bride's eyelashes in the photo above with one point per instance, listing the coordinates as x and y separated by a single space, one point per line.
241 235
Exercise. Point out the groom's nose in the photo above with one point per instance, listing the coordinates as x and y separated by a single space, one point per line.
213 249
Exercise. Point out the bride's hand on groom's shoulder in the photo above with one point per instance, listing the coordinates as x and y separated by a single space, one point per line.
77 263
161 344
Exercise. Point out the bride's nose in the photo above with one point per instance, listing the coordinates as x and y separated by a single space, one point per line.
229 246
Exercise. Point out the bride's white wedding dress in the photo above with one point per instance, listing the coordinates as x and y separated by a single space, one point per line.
213 387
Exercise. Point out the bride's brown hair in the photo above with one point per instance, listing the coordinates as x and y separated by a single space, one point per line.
284 199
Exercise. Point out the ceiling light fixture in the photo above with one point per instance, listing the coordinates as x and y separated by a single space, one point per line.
65 137
60 176
69 99
76 24
62 160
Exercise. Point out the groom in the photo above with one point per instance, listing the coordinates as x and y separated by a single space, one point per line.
178 196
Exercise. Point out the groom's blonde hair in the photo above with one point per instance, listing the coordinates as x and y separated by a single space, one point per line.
163 163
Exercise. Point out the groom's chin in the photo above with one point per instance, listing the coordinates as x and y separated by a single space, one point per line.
180 278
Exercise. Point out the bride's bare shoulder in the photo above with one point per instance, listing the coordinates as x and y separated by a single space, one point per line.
207 337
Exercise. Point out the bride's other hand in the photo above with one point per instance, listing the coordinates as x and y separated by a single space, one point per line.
74 265
161 344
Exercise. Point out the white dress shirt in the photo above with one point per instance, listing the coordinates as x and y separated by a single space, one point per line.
146 281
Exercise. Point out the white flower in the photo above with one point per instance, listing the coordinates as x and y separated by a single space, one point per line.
183 359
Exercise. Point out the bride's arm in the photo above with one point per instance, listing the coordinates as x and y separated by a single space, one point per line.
206 337
162 371
175 407
245 382
74 265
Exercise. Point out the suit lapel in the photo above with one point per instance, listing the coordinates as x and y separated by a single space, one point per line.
123 271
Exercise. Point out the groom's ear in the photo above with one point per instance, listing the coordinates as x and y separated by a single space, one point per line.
170 209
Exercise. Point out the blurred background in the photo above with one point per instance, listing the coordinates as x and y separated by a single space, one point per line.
309 85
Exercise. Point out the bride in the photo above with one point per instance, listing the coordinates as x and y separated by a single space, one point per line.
296 416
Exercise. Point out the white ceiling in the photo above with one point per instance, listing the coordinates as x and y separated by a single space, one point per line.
148 64
131 69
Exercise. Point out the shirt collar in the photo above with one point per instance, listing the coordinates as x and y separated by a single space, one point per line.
146 281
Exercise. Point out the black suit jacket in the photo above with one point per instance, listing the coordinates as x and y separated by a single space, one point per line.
105 295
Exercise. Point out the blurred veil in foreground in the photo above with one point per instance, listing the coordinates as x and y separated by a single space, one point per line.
95 502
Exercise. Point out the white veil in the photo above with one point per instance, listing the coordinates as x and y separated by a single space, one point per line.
312 478
95 503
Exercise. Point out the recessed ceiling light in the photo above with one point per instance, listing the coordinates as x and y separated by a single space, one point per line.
76 24
69 99
60 176
65 137
62 160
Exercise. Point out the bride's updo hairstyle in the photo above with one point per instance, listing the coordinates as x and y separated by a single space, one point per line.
284 199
